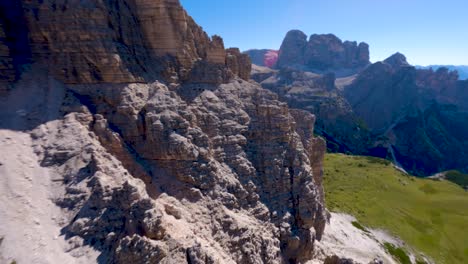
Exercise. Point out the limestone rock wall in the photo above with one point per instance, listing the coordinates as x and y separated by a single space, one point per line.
121 41
240 64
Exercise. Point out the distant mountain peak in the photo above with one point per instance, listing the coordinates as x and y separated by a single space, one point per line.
322 53
397 60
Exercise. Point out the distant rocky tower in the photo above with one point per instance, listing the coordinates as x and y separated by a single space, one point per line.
160 148
321 53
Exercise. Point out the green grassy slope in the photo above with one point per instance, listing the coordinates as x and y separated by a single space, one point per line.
457 177
430 216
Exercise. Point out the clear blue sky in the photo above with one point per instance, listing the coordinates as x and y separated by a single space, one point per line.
426 31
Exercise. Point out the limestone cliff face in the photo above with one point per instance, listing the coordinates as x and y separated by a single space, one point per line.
117 41
236 147
322 53
162 153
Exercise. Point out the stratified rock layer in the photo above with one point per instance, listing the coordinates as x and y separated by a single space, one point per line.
117 41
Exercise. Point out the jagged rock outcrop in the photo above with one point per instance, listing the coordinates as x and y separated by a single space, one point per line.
322 53
382 110
231 168
292 49
158 150
310 75
397 60
117 42
318 94
240 64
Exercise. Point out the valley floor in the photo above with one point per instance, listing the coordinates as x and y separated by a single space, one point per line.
430 216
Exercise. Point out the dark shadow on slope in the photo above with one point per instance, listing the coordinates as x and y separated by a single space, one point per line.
34 100
16 34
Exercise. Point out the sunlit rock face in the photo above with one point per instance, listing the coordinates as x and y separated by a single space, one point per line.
158 146
113 41
322 53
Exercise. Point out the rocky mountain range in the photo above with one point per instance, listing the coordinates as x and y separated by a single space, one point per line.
140 140
128 135
319 54
461 69
389 109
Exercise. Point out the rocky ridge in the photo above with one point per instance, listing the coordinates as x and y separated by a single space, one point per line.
158 150
382 109
126 42
323 96
419 113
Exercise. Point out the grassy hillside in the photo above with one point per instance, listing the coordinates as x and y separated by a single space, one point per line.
430 216
457 177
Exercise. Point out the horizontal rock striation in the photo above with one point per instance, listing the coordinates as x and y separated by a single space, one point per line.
118 41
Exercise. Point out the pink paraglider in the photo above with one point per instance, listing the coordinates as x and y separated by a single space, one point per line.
270 58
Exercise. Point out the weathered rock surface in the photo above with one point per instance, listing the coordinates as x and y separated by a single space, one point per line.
322 53
238 63
160 152
397 60
117 42
293 49
149 177
318 94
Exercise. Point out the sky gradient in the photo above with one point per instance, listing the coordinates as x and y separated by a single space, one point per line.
426 31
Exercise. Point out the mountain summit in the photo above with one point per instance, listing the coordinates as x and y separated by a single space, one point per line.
321 53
